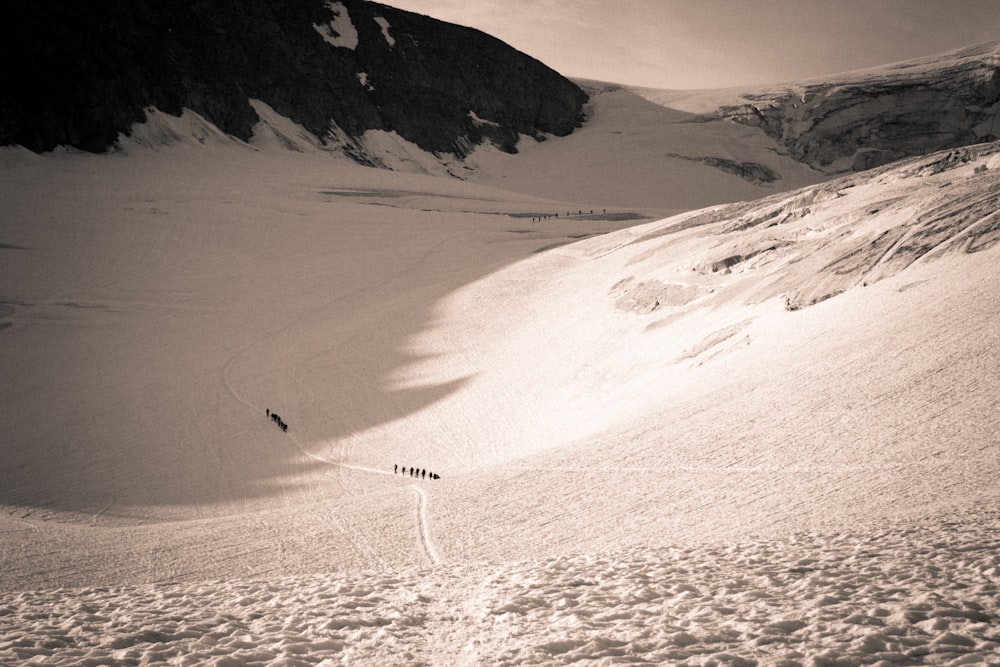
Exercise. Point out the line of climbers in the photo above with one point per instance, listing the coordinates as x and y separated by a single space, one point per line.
277 420
569 214
414 472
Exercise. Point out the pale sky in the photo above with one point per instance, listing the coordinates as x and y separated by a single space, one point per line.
720 43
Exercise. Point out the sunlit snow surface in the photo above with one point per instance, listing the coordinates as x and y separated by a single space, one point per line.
921 593
761 433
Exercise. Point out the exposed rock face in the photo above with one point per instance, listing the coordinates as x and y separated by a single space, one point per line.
752 172
870 118
85 72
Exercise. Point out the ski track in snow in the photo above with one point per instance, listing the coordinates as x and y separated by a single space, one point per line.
425 533
426 542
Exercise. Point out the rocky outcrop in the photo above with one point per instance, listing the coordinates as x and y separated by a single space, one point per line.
85 72
751 172
869 118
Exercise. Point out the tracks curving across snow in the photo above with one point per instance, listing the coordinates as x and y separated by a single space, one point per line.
423 527
226 376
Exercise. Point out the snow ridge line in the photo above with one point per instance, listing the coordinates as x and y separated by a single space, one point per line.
425 533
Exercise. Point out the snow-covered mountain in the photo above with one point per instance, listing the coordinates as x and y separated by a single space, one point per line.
394 89
80 74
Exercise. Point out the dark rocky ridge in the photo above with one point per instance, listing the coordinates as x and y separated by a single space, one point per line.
80 73
865 119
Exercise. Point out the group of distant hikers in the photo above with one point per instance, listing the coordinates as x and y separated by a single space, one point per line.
569 214
396 468
414 472
277 420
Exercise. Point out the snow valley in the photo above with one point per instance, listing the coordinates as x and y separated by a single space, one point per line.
762 432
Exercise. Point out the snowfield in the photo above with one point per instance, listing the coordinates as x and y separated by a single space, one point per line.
763 432
897 595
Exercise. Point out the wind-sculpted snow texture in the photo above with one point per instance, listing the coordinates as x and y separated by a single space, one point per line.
917 594
873 117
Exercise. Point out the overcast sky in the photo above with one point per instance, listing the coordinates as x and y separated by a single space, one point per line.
720 43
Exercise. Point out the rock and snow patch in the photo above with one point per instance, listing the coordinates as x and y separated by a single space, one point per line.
364 81
161 129
388 150
481 122
862 119
384 25
276 131
339 31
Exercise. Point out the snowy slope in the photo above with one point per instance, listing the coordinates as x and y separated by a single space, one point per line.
740 410
760 432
